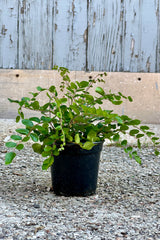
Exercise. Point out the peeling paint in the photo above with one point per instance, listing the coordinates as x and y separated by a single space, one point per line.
132 46
94 18
3 30
10 38
113 50
157 88
73 8
23 8
85 35
55 27
148 64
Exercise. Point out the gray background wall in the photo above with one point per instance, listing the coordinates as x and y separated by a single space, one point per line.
94 35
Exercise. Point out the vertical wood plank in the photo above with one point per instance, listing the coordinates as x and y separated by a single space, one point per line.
140 37
8 33
70 34
35 34
157 55
104 35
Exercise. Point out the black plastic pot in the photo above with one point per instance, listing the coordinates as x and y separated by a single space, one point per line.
75 171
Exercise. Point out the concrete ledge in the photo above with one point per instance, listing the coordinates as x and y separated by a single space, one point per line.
143 87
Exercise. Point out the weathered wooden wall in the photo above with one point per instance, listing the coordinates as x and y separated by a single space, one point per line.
110 35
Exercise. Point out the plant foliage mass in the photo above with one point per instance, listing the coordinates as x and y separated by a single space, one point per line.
77 117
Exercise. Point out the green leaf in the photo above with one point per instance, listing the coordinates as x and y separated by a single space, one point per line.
117 102
69 138
46 119
62 100
49 96
143 128
45 106
128 149
149 134
100 91
56 152
40 89
122 95
156 152
130 99
11 144
133 132
134 153
13 101
77 138
124 128
138 160
89 98
138 143
117 97
46 154
99 111
58 127
88 145
75 108
35 119
35 105
155 139
48 148
27 122
52 89
34 94
20 147
91 135
16 137
22 131
37 148
18 119
124 143
139 135
83 84
9 157
25 139
134 122
34 137
116 137
47 163
48 141
119 119
22 115
73 85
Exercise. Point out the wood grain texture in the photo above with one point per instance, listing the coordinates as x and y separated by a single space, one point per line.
140 36
69 34
8 33
35 34
104 35
115 35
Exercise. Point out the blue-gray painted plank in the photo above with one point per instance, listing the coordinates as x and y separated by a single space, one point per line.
8 33
104 35
35 34
140 36
69 34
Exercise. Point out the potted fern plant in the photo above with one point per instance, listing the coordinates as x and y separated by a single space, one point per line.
70 131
